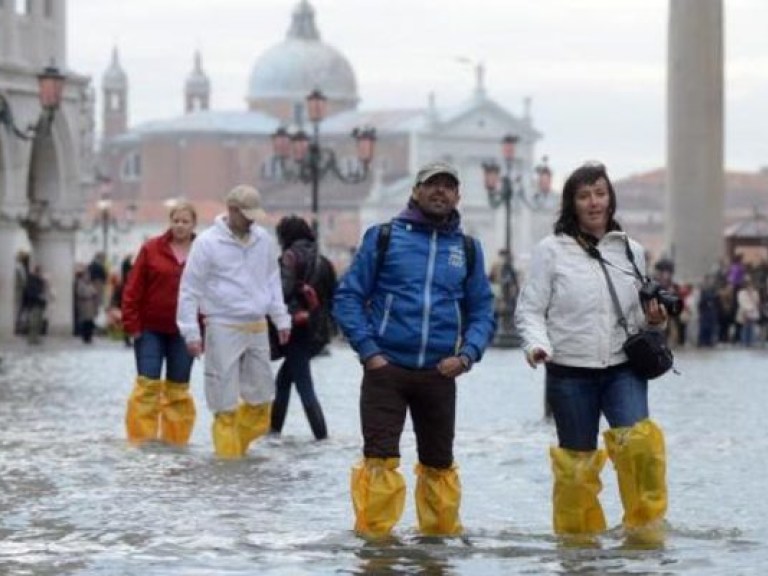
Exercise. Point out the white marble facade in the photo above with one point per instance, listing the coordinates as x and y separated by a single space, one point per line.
42 180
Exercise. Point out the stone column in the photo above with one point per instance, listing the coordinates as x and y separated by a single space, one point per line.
695 172
54 250
8 232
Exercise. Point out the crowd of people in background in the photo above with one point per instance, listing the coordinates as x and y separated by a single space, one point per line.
728 307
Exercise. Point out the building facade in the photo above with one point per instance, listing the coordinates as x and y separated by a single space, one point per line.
202 153
44 179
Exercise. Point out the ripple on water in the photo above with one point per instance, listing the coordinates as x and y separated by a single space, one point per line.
75 498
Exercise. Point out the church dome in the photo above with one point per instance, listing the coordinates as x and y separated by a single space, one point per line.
292 69
114 78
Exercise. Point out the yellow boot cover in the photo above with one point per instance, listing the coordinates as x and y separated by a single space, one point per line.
177 417
438 497
575 503
253 421
226 439
142 415
639 458
378 496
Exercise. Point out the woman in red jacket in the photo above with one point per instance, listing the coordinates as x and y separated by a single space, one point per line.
160 408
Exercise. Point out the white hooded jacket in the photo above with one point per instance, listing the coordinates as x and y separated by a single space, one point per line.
565 307
230 282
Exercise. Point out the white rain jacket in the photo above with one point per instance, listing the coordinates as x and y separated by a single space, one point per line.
230 282
565 307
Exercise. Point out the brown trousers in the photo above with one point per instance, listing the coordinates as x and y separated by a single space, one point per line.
386 396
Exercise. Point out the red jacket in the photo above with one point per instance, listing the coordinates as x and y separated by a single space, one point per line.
152 290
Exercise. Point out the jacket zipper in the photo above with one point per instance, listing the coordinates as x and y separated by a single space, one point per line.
460 328
427 299
387 309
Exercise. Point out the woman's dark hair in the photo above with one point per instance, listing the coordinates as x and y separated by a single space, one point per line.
292 228
567 222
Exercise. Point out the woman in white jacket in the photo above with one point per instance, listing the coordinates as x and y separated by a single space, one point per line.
567 320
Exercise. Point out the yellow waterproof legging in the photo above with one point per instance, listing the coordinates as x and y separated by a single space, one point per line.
575 504
143 410
378 496
438 498
639 457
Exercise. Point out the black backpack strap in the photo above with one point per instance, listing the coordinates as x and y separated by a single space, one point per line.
470 255
382 245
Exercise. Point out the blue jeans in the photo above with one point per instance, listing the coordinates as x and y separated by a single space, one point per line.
577 397
748 332
295 369
154 348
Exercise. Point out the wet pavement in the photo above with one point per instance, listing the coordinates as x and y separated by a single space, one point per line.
75 498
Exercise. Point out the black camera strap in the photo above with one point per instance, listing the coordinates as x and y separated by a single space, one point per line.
614 296
631 257
592 251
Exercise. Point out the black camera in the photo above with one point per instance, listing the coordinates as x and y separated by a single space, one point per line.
652 290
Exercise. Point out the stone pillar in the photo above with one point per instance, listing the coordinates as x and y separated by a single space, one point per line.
54 250
8 233
695 172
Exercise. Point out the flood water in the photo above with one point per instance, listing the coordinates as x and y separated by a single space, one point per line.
75 498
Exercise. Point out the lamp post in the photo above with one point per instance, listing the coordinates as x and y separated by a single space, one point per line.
503 189
50 87
301 157
106 222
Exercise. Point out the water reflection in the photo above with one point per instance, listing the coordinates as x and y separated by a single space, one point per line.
75 498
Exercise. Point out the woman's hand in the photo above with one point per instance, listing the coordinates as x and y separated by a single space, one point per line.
535 357
655 313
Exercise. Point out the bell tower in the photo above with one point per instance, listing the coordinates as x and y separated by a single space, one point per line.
197 90
114 87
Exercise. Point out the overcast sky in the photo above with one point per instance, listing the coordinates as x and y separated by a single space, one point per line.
595 69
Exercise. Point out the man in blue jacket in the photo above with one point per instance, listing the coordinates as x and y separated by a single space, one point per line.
418 310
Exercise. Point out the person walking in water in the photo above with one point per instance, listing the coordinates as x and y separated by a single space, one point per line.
301 265
232 277
568 322
417 307
160 407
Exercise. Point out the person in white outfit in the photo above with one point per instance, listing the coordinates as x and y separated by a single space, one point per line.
232 278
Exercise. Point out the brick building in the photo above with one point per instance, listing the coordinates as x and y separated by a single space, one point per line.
641 207
204 152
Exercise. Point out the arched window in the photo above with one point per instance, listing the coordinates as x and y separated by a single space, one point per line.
114 102
130 169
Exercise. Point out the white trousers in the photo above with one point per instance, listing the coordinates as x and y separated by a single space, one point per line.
236 366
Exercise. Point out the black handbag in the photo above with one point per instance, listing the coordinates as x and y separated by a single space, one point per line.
647 351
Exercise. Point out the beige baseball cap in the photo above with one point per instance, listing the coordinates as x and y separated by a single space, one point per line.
246 199
433 169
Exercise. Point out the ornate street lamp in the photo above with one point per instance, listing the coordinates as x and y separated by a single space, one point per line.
301 157
50 87
107 222
503 188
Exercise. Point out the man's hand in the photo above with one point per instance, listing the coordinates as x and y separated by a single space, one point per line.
375 362
536 357
451 367
283 336
195 348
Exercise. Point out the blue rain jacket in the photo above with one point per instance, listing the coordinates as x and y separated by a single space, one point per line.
416 309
